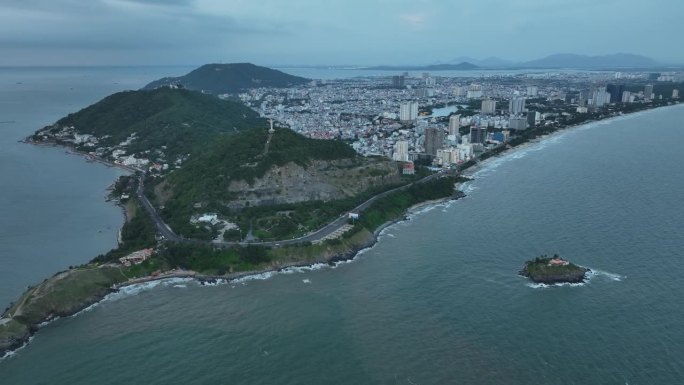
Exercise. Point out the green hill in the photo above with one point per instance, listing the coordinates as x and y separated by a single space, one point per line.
175 119
207 155
248 184
230 78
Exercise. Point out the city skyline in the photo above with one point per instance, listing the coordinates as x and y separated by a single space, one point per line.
181 32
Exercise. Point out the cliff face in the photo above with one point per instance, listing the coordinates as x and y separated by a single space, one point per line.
320 180
549 278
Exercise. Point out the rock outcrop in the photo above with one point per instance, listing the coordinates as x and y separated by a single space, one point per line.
320 180
553 270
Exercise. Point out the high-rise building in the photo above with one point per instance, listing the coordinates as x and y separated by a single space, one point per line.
531 118
454 124
488 106
434 140
398 81
430 81
532 91
627 97
516 105
615 91
583 98
460 91
475 91
600 98
675 94
401 149
515 123
478 134
648 91
408 111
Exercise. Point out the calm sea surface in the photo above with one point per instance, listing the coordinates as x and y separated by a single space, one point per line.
52 208
436 301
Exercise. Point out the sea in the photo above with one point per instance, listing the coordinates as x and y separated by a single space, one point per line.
436 301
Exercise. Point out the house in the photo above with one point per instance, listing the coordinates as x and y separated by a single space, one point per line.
409 169
136 257
558 262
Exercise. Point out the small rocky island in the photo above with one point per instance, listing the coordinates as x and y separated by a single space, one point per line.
550 270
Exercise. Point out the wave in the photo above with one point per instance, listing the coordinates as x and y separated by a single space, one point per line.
601 273
592 273
135 289
11 353
546 286
215 282
302 269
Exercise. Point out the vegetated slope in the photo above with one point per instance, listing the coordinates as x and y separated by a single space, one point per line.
236 172
230 78
175 118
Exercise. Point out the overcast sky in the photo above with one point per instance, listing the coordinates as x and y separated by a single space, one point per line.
272 32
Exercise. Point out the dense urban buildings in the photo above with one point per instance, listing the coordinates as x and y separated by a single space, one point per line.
444 120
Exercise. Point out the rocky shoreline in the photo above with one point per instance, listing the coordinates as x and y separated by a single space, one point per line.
9 344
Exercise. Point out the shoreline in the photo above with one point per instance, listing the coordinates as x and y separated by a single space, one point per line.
15 344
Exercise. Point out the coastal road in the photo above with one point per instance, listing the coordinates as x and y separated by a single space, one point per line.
317 235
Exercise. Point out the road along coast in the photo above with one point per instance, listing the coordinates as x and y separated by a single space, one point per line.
70 292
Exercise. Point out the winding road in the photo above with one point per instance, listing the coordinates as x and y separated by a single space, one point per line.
317 235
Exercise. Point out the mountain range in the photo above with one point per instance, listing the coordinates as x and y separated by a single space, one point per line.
565 60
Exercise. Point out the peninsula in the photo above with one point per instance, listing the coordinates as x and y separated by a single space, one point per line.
552 270
217 190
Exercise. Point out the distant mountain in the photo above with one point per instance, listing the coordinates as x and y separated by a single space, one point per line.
229 78
434 67
620 60
490 62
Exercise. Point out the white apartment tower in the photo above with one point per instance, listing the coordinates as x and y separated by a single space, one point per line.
401 149
408 111
516 105
454 124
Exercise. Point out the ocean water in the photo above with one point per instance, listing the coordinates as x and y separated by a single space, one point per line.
437 300
52 208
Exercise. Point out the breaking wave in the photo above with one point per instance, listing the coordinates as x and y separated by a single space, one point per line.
591 274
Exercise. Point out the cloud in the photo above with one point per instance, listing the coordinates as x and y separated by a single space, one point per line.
331 31
416 21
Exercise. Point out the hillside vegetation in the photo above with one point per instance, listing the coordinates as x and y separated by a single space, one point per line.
179 120
252 181
230 78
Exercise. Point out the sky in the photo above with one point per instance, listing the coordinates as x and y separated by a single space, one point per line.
331 32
